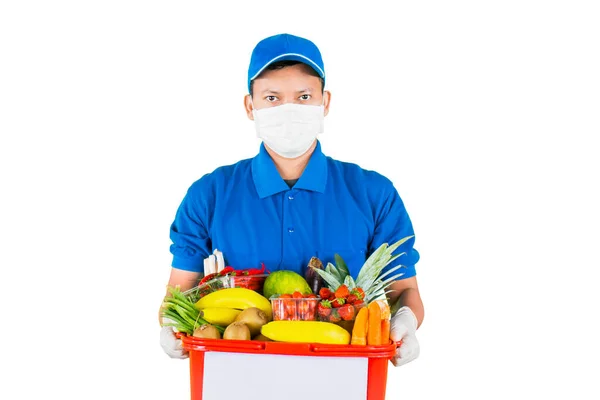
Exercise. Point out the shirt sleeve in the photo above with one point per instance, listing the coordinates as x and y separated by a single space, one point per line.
189 233
393 224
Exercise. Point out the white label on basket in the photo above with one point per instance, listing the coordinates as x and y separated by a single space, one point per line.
278 377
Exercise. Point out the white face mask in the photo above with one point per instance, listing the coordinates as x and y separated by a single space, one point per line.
289 129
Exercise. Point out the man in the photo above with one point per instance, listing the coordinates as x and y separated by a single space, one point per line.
291 202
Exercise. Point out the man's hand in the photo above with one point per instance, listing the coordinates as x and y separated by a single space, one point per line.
170 344
403 327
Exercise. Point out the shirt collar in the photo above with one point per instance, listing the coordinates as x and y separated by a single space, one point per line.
268 181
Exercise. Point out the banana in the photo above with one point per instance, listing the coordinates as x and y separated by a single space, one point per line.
220 315
306 332
239 298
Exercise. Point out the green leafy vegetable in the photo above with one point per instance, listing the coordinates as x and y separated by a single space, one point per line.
182 313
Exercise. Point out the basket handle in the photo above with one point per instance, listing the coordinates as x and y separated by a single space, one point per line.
316 348
222 345
329 349
238 345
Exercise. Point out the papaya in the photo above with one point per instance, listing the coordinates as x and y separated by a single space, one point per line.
306 332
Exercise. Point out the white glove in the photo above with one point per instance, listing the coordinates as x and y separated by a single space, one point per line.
403 327
170 344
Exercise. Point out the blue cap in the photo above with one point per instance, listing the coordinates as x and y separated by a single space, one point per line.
284 47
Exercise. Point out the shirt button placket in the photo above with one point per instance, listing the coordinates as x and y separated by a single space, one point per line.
290 196
288 226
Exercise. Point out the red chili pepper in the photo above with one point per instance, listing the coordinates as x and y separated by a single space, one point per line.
207 278
255 271
226 270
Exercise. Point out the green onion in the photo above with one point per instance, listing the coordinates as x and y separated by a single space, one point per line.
183 312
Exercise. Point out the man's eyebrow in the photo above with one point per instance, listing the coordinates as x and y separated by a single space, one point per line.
273 91
270 91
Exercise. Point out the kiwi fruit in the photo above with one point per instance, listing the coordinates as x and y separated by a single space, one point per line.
207 331
237 331
254 318
262 338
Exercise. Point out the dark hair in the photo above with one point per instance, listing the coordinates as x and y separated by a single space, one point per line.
288 63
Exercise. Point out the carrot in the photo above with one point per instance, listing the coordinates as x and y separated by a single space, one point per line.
361 327
385 321
374 331
385 331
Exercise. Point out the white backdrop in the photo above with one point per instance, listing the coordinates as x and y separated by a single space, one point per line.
483 114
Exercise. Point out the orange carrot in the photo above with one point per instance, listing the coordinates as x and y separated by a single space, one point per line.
374 332
385 331
385 321
361 327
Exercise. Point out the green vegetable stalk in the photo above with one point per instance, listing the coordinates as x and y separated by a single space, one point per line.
182 312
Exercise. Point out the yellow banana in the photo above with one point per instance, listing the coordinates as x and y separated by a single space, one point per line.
306 332
240 298
220 315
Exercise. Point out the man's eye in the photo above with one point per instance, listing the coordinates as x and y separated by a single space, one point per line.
271 98
305 97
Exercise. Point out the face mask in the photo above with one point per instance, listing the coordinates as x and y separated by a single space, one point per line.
290 129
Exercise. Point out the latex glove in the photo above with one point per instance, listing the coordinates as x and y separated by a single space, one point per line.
403 327
169 342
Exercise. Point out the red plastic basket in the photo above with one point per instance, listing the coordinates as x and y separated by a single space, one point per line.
378 359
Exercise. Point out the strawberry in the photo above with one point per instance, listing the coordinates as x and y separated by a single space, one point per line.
297 295
303 310
358 292
289 305
312 302
335 316
337 303
324 309
342 292
310 296
325 293
278 311
312 307
347 312
358 304
352 298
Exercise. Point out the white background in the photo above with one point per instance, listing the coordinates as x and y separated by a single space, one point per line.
485 115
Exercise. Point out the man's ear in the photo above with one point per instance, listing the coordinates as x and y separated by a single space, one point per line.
248 106
326 100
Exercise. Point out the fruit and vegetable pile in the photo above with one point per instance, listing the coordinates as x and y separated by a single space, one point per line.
325 306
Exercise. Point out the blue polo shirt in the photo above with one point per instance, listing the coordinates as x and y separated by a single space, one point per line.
248 212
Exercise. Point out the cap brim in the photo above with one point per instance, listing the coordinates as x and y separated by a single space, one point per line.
291 57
